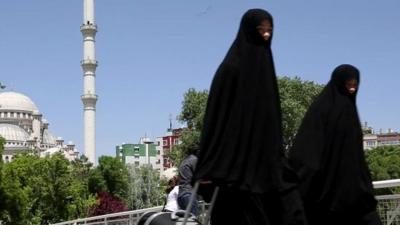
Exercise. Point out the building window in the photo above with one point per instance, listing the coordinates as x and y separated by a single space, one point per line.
370 143
165 142
136 157
136 163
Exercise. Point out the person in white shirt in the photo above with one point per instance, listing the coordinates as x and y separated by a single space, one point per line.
172 191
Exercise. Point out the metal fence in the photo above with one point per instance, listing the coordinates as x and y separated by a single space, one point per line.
122 218
388 205
388 209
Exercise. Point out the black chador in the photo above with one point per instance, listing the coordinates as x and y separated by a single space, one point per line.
241 141
328 155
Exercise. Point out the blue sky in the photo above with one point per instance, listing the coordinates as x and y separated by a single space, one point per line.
150 52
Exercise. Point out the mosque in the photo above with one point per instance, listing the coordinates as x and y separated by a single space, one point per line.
25 130
22 125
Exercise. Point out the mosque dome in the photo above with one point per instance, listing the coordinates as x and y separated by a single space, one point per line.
13 101
12 132
48 138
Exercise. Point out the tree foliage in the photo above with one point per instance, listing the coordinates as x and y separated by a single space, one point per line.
192 113
384 164
42 190
2 194
193 108
296 96
110 176
46 190
145 188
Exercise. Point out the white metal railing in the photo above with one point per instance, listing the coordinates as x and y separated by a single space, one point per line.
121 218
386 183
388 205
388 209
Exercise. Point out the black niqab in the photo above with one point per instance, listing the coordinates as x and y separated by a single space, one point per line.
329 158
241 136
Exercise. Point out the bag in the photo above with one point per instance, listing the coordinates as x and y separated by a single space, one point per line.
193 198
144 217
166 218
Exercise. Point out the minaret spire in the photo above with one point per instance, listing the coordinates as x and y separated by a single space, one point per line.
89 65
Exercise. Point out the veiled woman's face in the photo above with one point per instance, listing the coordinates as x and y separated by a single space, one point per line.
351 85
265 29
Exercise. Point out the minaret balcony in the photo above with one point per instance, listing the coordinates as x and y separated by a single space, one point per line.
89 97
89 100
89 28
89 62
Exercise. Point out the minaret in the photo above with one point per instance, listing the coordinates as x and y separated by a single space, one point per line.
89 64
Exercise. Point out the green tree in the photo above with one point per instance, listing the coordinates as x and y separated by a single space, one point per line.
43 190
1 164
111 175
187 138
80 199
1 148
193 109
16 203
145 188
13 199
96 182
296 96
384 164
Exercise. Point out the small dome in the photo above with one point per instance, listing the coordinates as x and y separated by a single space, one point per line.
12 132
16 101
48 138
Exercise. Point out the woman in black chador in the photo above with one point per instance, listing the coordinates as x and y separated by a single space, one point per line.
241 141
328 155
